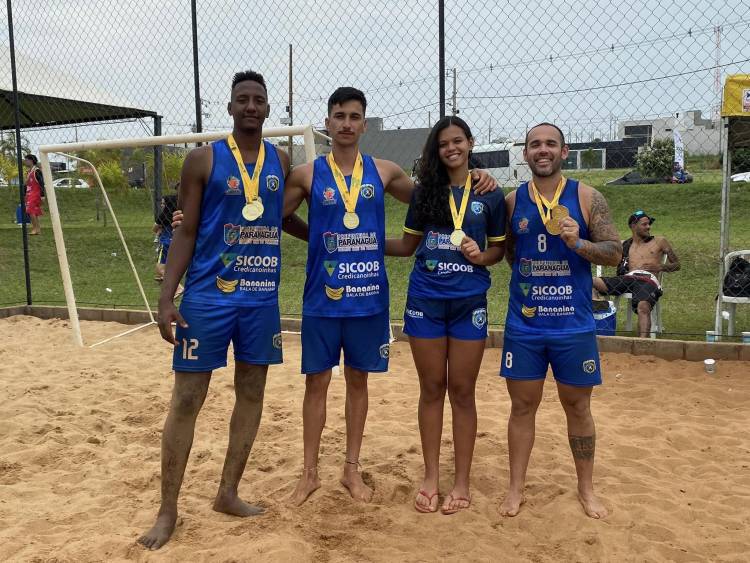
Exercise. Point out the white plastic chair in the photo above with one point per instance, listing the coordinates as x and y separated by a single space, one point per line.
729 300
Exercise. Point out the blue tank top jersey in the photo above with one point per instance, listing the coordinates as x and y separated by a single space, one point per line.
236 262
345 268
550 286
440 269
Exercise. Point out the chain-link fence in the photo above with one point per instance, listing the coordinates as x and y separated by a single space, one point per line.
625 82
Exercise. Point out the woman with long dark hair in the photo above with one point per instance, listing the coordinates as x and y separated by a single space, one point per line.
456 234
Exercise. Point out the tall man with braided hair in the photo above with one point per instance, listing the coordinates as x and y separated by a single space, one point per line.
557 227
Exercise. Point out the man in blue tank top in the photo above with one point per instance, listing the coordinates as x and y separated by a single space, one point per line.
556 229
231 192
346 304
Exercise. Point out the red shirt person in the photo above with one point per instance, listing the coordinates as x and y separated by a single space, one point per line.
34 192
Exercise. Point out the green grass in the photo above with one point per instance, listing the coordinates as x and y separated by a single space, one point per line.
687 214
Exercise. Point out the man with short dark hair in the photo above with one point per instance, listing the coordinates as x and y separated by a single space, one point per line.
231 192
637 274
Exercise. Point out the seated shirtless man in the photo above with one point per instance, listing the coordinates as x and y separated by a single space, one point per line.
637 273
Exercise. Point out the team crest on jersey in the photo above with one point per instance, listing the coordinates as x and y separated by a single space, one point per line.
525 287
233 186
589 366
523 226
479 317
329 196
430 264
231 234
330 266
277 341
477 207
385 351
525 267
272 183
432 240
331 241
367 191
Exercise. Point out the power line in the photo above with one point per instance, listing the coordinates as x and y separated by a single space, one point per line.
605 87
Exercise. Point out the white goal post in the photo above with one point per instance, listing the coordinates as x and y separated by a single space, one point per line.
306 131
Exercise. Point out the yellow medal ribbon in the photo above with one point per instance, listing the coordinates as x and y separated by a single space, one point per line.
458 214
250 185
543 204
348 195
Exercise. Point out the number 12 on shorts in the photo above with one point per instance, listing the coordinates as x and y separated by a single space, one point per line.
189 345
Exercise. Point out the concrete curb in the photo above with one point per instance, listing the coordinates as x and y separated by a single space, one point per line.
665 349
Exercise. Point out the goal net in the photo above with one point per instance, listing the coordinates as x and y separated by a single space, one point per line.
111 257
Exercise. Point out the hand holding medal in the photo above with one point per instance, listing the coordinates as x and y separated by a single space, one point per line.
253 204
348 195
551 211
457 236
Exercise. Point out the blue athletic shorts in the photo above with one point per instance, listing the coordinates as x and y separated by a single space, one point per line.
163 251
364 340
574 357
255 333
464 319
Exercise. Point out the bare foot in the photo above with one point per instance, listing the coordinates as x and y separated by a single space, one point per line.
511 504
160 533
592 506
307 485
235 506
352 480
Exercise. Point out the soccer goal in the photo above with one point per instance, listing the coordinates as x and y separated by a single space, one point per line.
307 132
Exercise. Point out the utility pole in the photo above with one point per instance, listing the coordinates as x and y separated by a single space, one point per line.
489 134
455 107
290 108
429 120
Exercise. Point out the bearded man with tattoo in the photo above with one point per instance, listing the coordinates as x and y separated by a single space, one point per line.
557 228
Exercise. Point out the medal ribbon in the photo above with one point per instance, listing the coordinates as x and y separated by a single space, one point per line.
250 185
351 195
548 205
458 215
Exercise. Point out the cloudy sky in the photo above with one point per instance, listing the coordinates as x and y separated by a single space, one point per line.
584 65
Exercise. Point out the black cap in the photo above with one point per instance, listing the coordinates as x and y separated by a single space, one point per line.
638 215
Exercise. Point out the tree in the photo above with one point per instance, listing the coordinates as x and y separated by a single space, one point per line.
657 160
8 168
113 178
591 159
8 145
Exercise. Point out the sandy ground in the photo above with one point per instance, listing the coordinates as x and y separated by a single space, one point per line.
79 463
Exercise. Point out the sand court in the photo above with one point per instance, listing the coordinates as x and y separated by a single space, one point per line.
79 463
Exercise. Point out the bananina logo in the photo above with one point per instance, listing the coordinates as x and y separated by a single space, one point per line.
334 294
529 312
226 286
330 266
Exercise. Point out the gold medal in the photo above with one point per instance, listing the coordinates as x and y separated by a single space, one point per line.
457 236
253 210
458 214
349 195
556 214
351 220
253 205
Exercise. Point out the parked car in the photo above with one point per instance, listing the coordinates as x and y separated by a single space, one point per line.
65 183
634 178
741 177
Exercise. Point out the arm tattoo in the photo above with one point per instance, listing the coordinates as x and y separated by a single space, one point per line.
582 446
604 247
